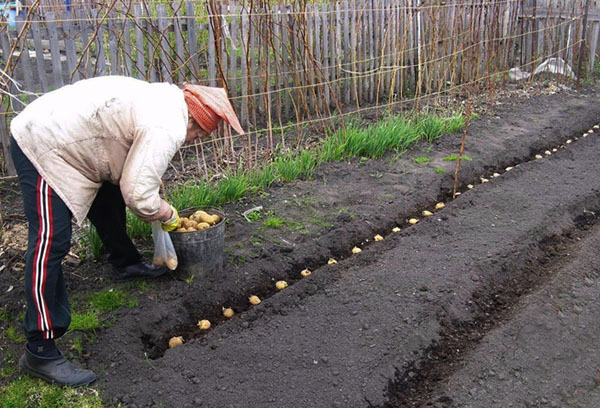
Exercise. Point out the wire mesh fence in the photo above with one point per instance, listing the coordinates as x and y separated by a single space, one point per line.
289 66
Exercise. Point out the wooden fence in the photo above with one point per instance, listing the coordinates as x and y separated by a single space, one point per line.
290 64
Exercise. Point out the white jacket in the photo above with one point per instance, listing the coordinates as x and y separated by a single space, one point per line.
113 128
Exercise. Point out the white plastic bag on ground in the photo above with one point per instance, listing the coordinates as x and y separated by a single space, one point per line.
164 252
553 65
516 74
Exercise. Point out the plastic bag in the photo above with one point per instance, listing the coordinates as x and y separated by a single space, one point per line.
164 252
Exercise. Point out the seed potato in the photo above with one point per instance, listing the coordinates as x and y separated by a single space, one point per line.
305 272
175 341
201 226
204 324
199 221
172 263
255 300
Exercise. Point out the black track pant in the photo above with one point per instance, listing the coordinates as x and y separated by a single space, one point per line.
48 313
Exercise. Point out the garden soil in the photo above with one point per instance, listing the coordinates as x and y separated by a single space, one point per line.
490 302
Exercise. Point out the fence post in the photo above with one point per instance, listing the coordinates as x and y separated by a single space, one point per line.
6 103
580 58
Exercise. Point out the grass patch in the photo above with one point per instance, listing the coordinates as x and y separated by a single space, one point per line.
454 157
104 302
15 336
77 345
92 241
421 160
257 242
141 285
301 228
8 371
237 260
290 167
27 392
87 321
5 315
254 216
274 222
97 304
439 170
322 222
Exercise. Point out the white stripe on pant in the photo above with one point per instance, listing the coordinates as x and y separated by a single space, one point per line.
41 257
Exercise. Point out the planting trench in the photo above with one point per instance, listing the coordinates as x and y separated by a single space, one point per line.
362 332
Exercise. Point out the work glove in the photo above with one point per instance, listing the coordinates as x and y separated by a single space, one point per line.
172 223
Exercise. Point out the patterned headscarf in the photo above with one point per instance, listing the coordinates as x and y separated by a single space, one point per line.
208 106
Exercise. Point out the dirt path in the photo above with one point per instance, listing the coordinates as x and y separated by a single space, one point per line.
392 324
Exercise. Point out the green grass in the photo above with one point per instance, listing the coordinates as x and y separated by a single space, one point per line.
137 228
27 392
254 216
274 222
421 160
92 241
439 170
14 335
321 222
395 133
5 315
454 157
7 371
104 302
89 314
86 321
77 344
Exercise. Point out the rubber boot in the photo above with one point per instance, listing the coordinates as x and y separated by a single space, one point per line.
56 370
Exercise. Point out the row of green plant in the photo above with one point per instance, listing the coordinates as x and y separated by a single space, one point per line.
395 133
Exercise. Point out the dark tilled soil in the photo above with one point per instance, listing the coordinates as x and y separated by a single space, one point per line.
379 327
544 353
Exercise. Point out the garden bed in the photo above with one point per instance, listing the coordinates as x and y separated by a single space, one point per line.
302 225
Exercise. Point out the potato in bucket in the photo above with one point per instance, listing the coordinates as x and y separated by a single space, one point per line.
199 242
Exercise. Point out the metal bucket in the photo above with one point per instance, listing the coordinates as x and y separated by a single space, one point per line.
200 253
